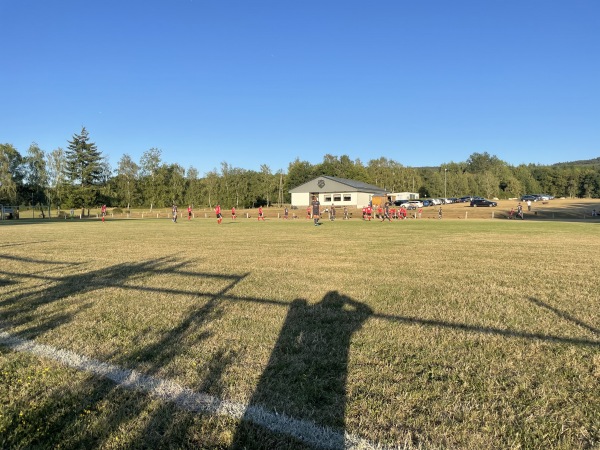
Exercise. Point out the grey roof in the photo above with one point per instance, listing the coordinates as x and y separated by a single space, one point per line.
356 184
352 184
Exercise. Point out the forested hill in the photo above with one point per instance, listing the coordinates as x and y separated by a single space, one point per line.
584 162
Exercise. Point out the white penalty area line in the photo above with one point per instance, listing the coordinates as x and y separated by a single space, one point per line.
189 400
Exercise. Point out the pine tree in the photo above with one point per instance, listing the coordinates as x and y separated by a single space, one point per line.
84 168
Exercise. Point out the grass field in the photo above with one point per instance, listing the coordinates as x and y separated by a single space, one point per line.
411 334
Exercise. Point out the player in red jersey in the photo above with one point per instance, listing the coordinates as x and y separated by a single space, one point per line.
189 212
103 212
260 214
218 213
369 212
308 212
233 216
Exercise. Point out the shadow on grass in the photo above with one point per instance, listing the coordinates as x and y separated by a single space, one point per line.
307 371
564 315
305 377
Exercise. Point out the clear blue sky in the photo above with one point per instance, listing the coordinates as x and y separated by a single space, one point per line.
264 82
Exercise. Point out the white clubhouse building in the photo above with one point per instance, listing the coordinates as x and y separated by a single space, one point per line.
337 191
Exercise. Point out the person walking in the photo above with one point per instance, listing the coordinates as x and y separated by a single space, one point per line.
345 213
520 211
332 212
174 212
528 205
440 213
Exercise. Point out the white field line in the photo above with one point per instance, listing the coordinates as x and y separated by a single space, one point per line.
189 400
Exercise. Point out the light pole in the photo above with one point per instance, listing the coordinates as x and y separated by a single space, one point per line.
445 177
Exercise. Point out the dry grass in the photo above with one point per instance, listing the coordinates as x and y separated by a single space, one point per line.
445 334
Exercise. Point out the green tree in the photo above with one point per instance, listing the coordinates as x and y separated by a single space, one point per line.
211 182
267 181
177 183
36 175
483 162
127 175
56 163
11 173
85 169
299 172
193 191
149 164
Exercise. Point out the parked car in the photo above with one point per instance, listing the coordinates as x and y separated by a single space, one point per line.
482 202
412 204
533 198
469 198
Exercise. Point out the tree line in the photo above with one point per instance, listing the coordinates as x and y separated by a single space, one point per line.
80 176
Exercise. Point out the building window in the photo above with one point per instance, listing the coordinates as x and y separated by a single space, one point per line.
328 198
337 197
347 198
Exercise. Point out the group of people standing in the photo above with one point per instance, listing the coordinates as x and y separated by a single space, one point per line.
519 212
385 212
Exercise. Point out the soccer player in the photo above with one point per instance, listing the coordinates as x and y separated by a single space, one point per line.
189 212
316 210
233 216
369 212
386 213
308 212
103 212
285 213
218 213
174 210
260 214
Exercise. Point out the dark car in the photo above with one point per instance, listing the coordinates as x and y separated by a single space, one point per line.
533 198
483 202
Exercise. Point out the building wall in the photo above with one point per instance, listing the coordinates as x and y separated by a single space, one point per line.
301 199
350 199
338 198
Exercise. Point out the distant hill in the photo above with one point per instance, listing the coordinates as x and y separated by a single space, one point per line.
583 162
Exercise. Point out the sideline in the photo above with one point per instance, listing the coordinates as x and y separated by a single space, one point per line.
189 400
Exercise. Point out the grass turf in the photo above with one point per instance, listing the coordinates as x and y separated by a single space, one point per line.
443 334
